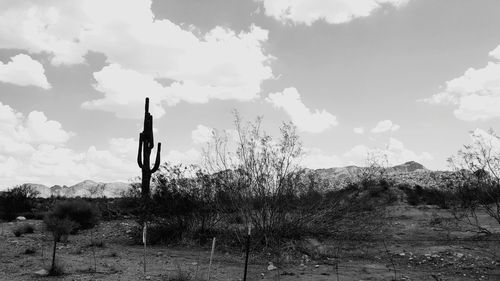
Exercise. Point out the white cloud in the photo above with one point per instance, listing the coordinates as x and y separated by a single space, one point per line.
124 146
33 149
385 126
330 11
191 156
220 64
476 94
395 151
42 130
359 130
125 92
202 134
316 159
306 120
22 70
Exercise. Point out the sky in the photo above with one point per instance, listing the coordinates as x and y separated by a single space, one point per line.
407 78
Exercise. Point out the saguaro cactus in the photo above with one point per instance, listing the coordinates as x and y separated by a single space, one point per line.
146 144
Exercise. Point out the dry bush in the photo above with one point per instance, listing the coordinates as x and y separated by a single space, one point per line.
259 182
478 188
56 269
78 211
25 228
16 201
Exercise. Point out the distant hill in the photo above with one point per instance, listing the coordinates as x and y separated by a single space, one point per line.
409 171
408 167
86 188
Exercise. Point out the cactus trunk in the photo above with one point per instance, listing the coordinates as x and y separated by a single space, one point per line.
146 144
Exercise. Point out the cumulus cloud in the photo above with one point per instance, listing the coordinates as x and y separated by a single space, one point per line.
202 134
395 151
475 94
33 149
385 126
220 64
306 120
332 11
22 70
190 156
316 159
359 130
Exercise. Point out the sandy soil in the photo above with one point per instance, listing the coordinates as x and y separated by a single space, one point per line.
415 243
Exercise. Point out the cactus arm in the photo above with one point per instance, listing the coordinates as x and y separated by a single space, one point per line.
157 161
139 153
152 135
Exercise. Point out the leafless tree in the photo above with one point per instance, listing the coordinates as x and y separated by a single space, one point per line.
478 189
258 169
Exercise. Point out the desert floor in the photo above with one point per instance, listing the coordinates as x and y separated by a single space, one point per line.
414 243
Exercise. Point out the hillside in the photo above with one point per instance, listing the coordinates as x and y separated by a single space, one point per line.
86 188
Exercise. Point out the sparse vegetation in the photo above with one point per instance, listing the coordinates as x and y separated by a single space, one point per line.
29 251
82 213
25 228
478 189
16 201
56 269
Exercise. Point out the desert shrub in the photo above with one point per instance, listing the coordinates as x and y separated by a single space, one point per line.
78 211
180 275
478 188
59 227
57 269
418 195
17 200
29 251
24 228
97 243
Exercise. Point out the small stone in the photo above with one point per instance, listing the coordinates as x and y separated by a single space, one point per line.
402 254
20 218
42 272
271 267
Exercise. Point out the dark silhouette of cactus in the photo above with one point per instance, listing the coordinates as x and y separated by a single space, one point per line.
146 144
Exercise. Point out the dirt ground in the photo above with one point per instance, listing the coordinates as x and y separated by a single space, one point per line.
415 243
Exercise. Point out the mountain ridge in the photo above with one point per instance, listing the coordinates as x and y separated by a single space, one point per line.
91 188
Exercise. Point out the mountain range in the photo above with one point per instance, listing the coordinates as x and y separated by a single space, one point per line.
86 188
89 188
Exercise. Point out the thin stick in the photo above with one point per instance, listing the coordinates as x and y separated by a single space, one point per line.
144 236
93 248
211 256
392 261
197 262
247 250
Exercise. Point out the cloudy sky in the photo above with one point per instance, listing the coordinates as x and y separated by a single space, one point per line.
410 78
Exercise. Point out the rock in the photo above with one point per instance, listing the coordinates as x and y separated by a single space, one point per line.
271 267
402 254
459 255
42 272
20 218
314 247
